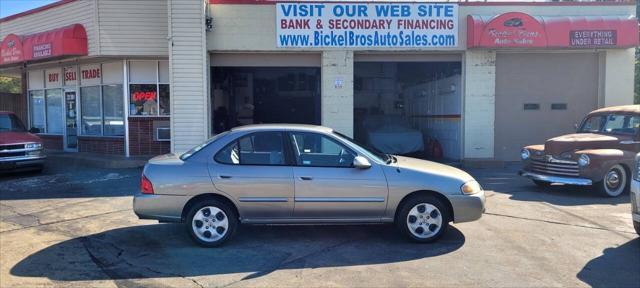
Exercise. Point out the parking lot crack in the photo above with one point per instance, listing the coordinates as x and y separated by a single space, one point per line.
61 221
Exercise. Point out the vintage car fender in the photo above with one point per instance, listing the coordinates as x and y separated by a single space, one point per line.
602 159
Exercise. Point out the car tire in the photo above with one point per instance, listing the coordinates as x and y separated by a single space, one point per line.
210 223
417 220
614 183
636 225
541 184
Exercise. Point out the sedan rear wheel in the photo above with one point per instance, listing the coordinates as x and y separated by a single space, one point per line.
614 183
210 223
423 219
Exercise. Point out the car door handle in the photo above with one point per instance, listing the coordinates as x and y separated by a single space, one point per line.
307 178
225 176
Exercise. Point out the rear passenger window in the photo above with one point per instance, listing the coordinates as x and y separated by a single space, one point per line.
262 148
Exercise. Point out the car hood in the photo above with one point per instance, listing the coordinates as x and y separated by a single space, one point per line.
7 138
433 168
580 141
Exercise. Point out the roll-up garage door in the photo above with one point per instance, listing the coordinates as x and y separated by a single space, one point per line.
539 96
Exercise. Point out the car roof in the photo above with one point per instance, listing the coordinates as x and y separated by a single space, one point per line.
289 127
618 109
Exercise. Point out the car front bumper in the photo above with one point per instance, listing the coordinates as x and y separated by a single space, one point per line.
467 208
556 179
21 162
166 208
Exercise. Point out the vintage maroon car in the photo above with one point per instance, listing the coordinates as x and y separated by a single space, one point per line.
19 149
600 154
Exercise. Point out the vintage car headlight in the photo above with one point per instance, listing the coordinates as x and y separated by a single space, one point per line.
33 146
471 187
584 160
525 154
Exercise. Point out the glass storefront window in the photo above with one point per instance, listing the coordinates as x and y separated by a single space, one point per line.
91 110
164 99
36 103
113 110
143 99
54 111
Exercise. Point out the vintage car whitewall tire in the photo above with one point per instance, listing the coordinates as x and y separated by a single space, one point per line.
210 223
614 183
423 218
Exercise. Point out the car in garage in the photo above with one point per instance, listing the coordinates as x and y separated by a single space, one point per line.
635 195
302 174
20 150
600 154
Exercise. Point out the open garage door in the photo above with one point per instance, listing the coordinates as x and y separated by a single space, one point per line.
539 96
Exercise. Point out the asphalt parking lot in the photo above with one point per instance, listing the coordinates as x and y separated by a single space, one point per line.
74 227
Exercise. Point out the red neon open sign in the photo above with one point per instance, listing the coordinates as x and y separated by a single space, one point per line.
144 96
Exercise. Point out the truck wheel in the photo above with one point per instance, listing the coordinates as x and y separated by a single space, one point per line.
636 225
614 183
210 223
423 218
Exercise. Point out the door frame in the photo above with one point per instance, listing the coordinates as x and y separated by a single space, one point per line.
65 148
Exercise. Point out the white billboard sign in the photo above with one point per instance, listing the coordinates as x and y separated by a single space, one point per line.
366 25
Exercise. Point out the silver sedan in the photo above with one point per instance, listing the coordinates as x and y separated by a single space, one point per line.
302 174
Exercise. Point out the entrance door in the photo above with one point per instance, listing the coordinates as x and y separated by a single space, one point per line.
327 186
71 121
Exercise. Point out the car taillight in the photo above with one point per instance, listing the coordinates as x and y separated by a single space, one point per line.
145 186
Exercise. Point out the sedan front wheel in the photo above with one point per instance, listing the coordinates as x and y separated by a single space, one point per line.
423 218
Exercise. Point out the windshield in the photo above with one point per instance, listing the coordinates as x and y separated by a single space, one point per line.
611 124
366 149
195 150
10 123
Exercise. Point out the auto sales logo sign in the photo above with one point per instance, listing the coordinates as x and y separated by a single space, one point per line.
367 25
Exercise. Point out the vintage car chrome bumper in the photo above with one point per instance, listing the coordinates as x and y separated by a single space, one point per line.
556 179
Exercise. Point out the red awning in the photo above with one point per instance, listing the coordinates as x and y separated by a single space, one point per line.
65 41
520 30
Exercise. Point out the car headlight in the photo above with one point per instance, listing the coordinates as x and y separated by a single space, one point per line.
525 154
33 146
584 160
471 187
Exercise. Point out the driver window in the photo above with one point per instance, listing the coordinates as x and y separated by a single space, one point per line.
316 150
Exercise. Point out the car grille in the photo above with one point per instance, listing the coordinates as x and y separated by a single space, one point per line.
9 151
557 167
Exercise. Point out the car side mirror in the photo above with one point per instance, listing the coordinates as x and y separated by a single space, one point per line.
34 130
361 163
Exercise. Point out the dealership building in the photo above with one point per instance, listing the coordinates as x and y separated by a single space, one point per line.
457 81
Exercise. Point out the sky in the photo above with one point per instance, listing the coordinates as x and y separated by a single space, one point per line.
10 7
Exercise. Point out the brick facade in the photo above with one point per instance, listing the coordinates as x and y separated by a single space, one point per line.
52 142
141 137
102 145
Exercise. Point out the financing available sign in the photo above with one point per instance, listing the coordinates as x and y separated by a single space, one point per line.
366 25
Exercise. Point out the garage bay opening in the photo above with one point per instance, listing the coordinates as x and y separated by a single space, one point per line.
409 108
256 95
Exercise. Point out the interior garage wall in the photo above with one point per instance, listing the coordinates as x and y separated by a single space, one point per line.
541 79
